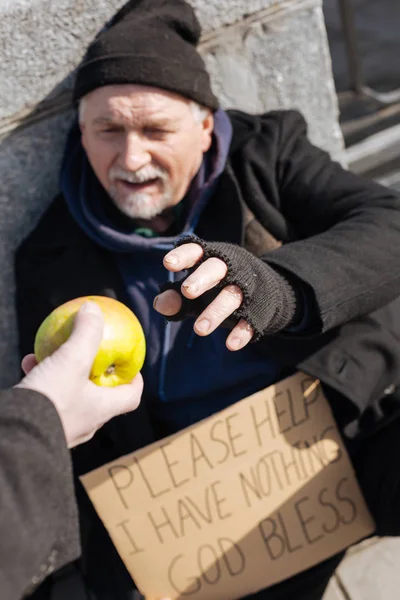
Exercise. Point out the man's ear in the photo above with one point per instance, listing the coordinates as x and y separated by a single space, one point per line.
207 131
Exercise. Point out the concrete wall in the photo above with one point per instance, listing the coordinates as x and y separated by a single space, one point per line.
262 54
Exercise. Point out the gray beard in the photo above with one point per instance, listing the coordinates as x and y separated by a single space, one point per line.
139 205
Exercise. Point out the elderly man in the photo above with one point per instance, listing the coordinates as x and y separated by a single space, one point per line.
285 249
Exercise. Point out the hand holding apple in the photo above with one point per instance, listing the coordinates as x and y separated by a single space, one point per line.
122 348
63 377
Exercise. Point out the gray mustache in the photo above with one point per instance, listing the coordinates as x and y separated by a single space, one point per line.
141 176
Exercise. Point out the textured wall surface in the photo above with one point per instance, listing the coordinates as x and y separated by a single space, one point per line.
43 40
262 54
279 62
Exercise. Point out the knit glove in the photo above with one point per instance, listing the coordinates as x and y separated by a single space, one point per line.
269 301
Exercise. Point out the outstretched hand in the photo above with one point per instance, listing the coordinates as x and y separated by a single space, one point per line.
204 278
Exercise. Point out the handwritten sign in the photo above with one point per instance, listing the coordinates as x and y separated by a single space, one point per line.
240 501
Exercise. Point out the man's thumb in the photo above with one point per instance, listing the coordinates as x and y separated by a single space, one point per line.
86 335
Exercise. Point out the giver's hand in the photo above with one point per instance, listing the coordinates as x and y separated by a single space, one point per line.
63 377
228 282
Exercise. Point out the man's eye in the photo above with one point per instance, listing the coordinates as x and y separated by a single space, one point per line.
109 129
155 133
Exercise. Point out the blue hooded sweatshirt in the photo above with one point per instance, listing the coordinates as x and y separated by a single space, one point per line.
187 377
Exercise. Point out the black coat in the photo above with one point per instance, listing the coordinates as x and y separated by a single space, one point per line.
341 237
38 518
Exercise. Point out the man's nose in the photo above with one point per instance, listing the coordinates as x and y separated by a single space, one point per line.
134 155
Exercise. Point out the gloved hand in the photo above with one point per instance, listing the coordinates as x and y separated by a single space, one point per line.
227 282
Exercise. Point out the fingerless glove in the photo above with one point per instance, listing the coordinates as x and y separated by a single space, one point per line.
269 300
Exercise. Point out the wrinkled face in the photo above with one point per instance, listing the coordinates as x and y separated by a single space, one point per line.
144 144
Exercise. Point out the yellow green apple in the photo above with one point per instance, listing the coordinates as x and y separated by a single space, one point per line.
123 346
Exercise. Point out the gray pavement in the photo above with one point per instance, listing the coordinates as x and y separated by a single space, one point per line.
378 27
369 572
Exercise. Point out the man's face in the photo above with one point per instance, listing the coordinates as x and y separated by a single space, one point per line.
144 144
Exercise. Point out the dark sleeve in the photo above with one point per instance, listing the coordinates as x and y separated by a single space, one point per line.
38 516
348 230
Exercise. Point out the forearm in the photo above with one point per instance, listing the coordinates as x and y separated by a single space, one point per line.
38 517
346 273
347 227
271 301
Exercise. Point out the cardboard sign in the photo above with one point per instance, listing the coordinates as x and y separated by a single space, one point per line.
240 501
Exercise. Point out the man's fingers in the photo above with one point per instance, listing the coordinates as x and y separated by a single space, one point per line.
227 301
240 336
168 303
84 341
28 363
204 278
183 257
120 399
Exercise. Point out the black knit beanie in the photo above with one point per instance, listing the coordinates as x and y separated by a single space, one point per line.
149 42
